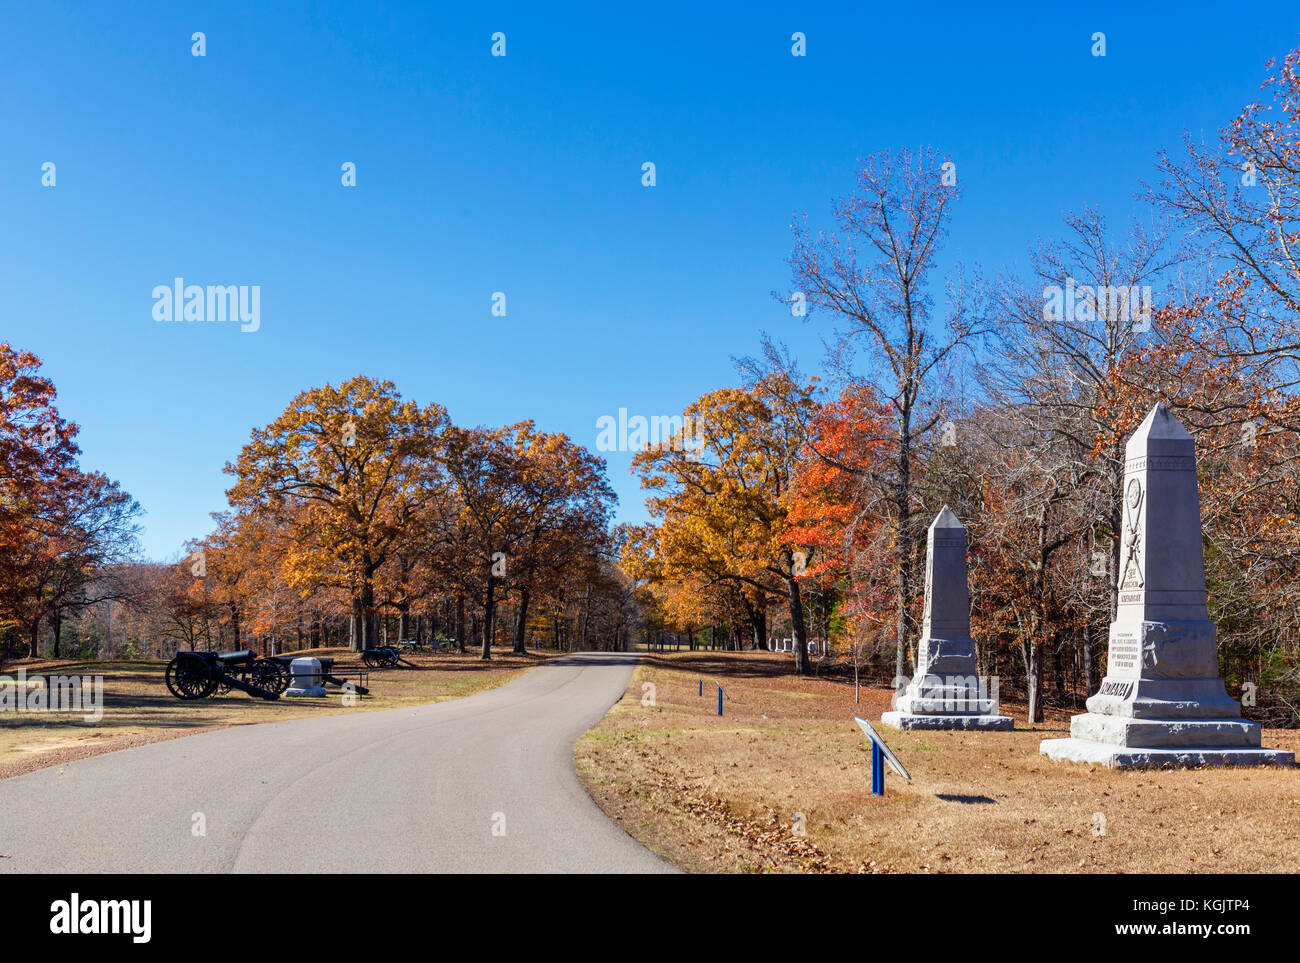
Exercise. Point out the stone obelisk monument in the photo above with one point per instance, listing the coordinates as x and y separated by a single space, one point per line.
946 692
1162 702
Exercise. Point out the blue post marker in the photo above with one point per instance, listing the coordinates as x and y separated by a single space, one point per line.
719 700
880 755
701 687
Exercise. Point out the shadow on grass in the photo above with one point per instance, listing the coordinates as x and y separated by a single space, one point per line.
470 662
725 664
966 800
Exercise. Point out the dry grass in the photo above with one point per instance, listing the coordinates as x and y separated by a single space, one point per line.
720 794
139 709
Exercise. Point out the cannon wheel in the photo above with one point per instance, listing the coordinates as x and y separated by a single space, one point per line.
190 678
270 675
371 658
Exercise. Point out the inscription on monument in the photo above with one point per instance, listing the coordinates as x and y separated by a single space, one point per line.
1124 653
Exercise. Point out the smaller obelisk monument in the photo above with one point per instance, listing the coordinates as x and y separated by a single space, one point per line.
1162 702
946 692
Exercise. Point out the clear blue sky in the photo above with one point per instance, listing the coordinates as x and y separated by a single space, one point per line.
523 175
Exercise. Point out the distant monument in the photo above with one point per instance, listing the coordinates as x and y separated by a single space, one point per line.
1162 702
946 692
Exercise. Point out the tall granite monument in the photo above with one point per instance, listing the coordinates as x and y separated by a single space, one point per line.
1162 702
946 692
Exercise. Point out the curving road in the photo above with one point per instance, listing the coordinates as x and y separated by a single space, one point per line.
482 784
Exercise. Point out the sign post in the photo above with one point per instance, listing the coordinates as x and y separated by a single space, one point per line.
719 699
880 755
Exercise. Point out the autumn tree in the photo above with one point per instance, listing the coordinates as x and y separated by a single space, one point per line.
86 528
563 513
1239 200
60 527
725 493
838 508
360 462
873 275
486 471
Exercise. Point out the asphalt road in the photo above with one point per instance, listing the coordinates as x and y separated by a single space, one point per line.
482 784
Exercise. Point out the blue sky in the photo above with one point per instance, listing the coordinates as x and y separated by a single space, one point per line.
520 174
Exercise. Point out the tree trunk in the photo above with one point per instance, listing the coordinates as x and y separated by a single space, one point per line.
521 627
460 624
1116 536
489 610
1035 682
903 541
1089 665
1059 667
369 617
801 663
586 620
758 623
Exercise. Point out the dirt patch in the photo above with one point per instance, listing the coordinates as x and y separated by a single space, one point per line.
70 752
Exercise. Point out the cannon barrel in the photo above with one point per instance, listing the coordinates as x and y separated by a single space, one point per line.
254 690
237 657
335 680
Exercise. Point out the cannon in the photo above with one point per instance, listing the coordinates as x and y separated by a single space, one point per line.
199 675
266 674
381 658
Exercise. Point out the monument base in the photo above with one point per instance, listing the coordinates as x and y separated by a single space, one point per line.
308 692
1182 757
909 720
1127 733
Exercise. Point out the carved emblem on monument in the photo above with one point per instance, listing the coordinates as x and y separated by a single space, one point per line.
1133 537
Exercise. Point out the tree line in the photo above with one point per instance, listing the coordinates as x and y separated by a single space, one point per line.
1010 400
356 518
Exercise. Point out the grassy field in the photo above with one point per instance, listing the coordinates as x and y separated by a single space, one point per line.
139 709
782 781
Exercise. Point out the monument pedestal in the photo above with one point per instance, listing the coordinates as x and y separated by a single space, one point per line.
1162 702
1158 706
1114 757
307 682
